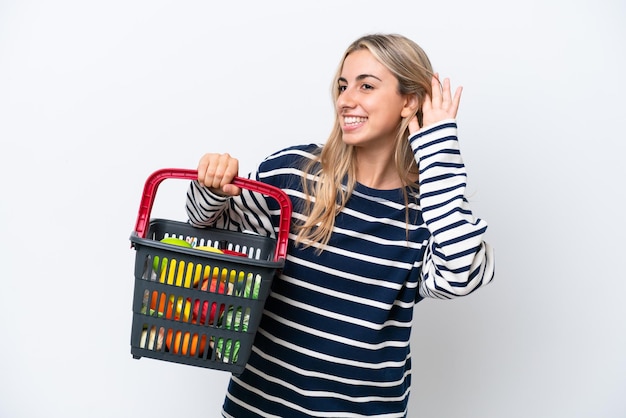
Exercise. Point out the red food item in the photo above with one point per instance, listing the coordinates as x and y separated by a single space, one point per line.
205 305
237 253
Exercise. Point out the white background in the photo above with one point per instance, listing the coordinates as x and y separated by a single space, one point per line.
95 95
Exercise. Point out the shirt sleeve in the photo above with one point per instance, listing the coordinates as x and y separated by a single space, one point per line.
247 212
457 260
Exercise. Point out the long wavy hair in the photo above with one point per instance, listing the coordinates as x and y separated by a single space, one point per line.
331 176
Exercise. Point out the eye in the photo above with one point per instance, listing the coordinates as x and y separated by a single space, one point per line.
366 86
341 88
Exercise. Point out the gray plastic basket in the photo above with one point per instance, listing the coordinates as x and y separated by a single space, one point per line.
193 306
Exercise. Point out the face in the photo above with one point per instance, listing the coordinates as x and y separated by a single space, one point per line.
369 105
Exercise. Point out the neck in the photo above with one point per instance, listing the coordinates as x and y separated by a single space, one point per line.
376 171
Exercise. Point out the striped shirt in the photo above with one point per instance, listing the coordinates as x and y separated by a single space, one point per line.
334 336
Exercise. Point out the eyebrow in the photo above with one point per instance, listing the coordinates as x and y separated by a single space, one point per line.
359 78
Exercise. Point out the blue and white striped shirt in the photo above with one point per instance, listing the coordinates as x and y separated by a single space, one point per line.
334 336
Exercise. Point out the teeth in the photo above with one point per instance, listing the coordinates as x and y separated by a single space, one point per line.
354 119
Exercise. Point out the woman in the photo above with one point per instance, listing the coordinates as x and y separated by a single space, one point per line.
380 221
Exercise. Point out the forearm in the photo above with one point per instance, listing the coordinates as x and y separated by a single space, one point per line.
458 260
245 212
202 206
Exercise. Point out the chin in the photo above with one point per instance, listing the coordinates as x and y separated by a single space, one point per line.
351 140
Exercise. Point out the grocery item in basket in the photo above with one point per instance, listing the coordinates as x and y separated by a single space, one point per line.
237 253
248 288
179 273
185 273
177 308
172 241
201 315
228 350
185 343
210 249
155 342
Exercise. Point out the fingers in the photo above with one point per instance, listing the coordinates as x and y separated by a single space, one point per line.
436 91
446 97
217 171
456 100
441 92
441 104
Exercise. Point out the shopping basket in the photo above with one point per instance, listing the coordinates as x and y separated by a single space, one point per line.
192 304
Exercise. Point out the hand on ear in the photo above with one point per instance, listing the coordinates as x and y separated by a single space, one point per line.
441 105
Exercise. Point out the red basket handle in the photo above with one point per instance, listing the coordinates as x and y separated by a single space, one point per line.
153 181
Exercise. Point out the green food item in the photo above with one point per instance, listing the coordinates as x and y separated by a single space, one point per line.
159 314
229 349
173 241
255 288
249 287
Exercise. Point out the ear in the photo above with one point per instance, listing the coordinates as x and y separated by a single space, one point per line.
411 105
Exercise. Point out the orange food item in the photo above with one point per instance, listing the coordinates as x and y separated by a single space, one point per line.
153 302
182 307
182 345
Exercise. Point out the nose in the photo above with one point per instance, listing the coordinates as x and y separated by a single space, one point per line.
345 100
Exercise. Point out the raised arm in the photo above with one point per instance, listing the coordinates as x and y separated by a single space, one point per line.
457 260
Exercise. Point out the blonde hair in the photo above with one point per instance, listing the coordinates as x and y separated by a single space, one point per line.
335 163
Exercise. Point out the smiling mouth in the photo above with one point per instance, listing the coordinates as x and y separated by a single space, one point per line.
353 120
